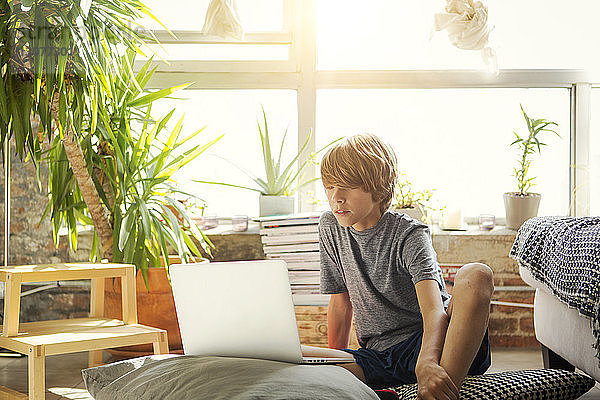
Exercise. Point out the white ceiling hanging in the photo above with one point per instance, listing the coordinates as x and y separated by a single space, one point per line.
222 20
466 22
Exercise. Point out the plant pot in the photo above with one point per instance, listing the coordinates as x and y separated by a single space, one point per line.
275 205
155 307
520 208
413 212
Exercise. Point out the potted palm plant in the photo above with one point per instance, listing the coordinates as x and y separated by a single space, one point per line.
522 204
70 64
281 181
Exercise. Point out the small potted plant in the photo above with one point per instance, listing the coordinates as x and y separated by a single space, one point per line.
280 182
413 203
522 204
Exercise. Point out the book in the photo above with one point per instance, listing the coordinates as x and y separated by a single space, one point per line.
301 287
290 248
291 239
291 229
306 256
304 266
311 216
310 298
290 219
305 277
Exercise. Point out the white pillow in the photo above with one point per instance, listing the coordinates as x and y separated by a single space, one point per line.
198 377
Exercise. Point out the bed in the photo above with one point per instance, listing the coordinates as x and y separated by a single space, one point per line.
566 336
560 258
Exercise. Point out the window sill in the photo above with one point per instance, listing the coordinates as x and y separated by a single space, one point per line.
473 230
226 229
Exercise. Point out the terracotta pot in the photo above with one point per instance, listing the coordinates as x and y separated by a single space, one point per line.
155 307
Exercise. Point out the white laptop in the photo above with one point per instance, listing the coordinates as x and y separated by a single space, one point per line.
239 309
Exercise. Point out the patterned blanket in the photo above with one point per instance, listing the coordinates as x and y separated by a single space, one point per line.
564 253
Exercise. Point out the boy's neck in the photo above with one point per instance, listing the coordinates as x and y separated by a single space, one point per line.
369 221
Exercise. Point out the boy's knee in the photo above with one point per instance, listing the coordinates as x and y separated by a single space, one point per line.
476 276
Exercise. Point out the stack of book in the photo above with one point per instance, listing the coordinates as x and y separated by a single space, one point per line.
295 239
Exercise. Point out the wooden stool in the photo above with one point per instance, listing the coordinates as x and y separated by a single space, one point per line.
44 338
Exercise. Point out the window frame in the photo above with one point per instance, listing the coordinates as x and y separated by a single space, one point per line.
300 73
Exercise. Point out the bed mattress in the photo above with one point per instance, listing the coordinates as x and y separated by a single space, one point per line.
562 329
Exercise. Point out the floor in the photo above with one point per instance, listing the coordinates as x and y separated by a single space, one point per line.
63 373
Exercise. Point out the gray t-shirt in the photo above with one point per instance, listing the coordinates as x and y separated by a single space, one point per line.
379 268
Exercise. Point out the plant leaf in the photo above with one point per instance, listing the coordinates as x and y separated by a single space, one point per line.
149 98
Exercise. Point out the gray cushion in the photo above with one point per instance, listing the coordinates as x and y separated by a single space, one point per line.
539 384
198 377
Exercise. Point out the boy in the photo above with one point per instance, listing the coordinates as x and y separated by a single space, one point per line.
380 267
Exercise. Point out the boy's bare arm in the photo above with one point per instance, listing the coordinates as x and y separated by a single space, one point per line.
339 320
433 381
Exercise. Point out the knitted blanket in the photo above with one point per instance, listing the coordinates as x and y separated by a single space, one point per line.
564 253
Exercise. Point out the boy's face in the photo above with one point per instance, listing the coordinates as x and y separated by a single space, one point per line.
352 207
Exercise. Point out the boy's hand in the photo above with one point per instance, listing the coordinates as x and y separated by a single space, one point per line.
434 383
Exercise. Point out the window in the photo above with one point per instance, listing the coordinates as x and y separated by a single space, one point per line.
255 15
379 69
456 141
233 113
392 34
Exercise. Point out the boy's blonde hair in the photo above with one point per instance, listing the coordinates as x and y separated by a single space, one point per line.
362 161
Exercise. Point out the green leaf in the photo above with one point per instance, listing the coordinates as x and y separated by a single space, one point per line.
227 184
95 247
3 103
266 150
95 93
174 223
161 232
126 226
149 98
190 155
143 76
145 215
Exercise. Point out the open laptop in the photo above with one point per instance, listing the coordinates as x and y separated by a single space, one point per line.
239 309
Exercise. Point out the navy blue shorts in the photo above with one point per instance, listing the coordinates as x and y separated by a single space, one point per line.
396 365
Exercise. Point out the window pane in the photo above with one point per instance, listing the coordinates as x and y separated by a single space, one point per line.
456 141
595 154
233 113
397 34
255 15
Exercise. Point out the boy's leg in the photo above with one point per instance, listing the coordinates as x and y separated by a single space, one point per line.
469 312
312 351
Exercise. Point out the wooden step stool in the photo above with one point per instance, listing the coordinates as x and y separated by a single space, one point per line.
40 339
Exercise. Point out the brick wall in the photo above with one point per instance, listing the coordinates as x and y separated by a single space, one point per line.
30 240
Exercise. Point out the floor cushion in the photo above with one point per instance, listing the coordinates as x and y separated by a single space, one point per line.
536 384
173 377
